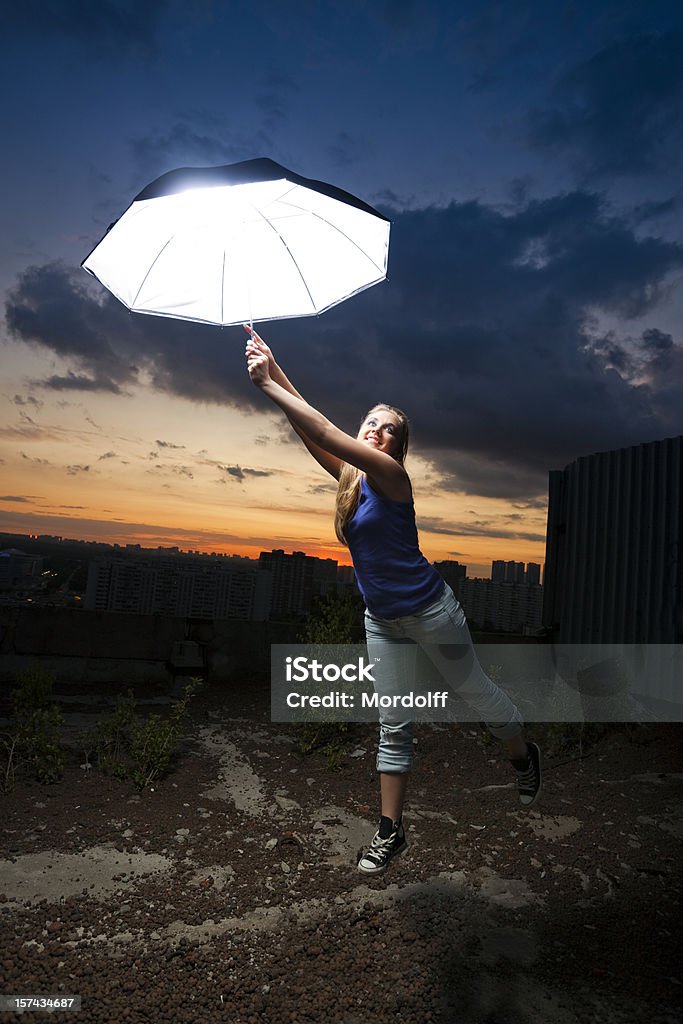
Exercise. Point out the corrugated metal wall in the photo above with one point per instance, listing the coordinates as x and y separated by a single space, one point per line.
614 572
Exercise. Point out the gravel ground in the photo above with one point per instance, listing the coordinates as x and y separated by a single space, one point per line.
228 891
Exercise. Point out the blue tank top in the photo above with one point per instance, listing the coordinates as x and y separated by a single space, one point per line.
393 575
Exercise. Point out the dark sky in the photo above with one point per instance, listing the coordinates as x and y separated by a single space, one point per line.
528 156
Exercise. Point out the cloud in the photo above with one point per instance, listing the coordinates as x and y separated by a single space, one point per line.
76 469
53 308
185 471
656 342
486 333
113 27
387 197
477 529
38 462
27 432
13 498
107 455
169 444
615 113
323 489
78 382
59 309
29 400
240 473
537 503
653 210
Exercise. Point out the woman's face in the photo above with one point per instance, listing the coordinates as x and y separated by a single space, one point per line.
382 430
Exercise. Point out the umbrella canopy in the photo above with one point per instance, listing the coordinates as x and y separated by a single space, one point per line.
250 241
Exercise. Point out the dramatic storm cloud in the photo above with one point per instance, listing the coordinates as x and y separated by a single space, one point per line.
485 334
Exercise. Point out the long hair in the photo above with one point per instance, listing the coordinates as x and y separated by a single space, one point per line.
348 491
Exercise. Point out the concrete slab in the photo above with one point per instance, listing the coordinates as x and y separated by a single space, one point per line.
51 875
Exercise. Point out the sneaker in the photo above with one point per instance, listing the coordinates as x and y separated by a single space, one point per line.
389 841
530 776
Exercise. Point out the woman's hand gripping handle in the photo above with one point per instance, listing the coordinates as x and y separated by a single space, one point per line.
259 359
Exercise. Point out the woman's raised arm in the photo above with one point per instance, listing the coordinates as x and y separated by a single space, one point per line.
380 467
329 462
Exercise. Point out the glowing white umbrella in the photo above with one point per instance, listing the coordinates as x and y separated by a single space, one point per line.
250 241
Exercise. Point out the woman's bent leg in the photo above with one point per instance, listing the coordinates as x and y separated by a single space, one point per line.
445 638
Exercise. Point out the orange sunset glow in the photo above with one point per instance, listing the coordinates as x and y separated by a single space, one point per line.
156 470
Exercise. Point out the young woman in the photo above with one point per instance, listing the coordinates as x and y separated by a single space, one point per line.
407 601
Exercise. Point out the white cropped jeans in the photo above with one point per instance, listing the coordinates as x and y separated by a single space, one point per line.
441 631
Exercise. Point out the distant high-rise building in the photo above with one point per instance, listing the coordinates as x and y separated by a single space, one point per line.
346 580
614 568
452 572
498 571
501 607
514 572
324 576
179 586
16 566
292 590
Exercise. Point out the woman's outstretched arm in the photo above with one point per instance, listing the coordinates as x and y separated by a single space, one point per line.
329 462
379 466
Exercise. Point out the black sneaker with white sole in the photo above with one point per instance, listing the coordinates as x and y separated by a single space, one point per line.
529 776
388 842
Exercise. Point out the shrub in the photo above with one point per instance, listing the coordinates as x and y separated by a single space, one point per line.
335 620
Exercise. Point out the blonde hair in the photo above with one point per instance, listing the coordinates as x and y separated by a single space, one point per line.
348 491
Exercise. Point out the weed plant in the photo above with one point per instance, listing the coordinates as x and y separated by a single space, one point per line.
32 740
334 621
141 749
124 744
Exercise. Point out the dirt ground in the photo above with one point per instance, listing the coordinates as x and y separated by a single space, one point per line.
229 891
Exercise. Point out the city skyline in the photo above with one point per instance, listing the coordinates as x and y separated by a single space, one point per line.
8 539
527 160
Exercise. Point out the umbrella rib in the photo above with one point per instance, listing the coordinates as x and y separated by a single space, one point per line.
291 255
223 286
337 229
274 199
151 268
